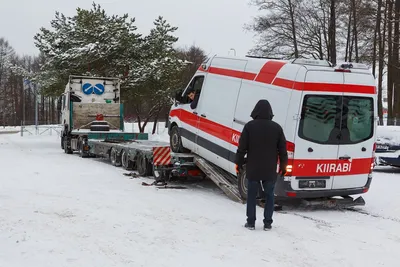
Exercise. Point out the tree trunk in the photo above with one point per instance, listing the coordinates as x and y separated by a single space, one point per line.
381 52
396 67
390 63
332 32
355 32
155 123
348 56
292 18
377 29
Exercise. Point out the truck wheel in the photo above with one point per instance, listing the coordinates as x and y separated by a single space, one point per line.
143 165
114 158
82 153
66 149
242 183
126 163
62 142
175 141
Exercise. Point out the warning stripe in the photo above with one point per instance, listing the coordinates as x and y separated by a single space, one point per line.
165 157
270 70
161 156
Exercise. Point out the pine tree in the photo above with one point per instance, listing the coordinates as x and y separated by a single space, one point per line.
159 75
89 43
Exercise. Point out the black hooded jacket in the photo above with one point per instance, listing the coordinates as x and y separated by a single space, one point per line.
263 141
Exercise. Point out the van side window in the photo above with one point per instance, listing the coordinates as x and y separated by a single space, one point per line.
336 119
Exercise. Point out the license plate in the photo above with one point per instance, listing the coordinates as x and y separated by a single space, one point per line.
312 184
382 147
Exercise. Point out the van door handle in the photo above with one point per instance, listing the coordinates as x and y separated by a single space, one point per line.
203 115
344 157
194 112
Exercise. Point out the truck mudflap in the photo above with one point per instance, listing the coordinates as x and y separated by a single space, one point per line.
222 179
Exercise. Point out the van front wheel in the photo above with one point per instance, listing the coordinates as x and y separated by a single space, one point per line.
175 141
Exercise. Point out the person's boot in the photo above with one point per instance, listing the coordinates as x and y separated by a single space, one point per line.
267 227
250 226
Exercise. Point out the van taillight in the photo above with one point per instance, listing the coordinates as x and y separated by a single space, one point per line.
290 150
373 158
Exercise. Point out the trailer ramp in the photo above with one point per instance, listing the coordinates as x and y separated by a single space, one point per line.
221 178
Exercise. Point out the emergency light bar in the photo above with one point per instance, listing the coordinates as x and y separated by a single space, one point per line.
314 62
351 65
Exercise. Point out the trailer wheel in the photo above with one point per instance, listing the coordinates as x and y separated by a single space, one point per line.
67 150
175 141
82 153
126 163
143 165
160 175
242 183
114 158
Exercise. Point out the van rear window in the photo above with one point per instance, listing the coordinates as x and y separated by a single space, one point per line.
336 119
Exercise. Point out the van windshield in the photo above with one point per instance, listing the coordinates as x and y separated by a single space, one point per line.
336 119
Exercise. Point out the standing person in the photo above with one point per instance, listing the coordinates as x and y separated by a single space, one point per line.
263 141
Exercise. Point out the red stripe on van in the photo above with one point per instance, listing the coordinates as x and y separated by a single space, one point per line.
215 129
286 83
330 167
268 75
269 71
232 73
325 87
301 167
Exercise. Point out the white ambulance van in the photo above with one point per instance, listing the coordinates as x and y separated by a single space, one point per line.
328 114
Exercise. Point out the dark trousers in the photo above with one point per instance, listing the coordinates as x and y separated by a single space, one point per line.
252 191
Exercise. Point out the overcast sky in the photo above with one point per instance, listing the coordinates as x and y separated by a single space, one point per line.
214 25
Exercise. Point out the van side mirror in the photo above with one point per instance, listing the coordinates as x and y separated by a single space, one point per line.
178 96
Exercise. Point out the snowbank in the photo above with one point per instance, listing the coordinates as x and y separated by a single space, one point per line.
161 133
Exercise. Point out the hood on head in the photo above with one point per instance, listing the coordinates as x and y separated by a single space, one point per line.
262 110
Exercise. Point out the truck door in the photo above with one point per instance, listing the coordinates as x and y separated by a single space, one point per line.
357 133
316 144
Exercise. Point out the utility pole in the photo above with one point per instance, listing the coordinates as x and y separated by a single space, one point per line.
23 107
36 109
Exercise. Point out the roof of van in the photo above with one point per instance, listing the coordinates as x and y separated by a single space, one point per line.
309 64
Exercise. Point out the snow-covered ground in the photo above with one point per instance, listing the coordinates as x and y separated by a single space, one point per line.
61 210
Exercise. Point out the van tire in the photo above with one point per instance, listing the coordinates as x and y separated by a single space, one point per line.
242 183
175 141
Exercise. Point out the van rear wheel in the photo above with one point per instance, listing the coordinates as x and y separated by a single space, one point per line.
242 183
